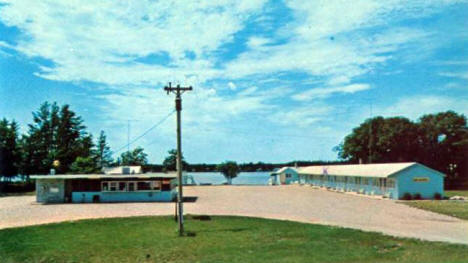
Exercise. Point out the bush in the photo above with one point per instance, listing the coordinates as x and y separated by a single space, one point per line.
437 196
407 196
417 196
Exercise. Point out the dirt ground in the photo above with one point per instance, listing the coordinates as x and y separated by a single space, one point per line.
297 203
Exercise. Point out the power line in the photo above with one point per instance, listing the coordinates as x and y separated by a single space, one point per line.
146 132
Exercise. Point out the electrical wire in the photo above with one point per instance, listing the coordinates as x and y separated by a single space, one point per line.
146 132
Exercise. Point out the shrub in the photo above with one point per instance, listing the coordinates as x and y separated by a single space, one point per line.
437 196
406 196
417 196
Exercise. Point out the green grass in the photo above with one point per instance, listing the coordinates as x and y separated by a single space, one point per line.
452 208
454 193
222 239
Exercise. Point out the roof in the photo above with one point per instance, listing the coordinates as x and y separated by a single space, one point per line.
283 169
122 170
106 176
381 170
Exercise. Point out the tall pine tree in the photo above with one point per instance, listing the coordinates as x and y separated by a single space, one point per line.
9 150
103 152
57 133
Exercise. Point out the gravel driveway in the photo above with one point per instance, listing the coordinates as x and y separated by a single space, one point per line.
298 203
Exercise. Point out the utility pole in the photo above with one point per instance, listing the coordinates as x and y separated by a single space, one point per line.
371 141
178 90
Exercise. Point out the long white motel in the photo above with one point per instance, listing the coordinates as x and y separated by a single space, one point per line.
390 180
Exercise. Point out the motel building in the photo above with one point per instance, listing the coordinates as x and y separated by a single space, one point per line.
390 180
119 184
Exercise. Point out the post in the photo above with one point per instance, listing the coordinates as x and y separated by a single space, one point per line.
180 197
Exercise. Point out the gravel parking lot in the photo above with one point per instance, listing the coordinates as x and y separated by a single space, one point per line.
297 203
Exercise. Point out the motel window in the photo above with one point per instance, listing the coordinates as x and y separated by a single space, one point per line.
358 180
156 185
113 186
376 182
366 181
131 186
391 183
143 186
105 186
122 186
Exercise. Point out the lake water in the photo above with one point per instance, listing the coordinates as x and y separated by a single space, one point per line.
244 178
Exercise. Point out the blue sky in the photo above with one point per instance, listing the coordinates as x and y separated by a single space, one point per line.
273 80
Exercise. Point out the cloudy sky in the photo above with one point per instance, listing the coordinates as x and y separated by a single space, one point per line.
273 80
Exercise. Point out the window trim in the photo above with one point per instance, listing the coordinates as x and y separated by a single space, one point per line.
127 184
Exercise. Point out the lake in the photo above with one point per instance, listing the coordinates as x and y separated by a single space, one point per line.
244 178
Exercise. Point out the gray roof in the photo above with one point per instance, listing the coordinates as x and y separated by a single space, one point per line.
381 170
106 176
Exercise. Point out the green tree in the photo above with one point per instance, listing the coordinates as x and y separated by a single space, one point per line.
84 165
56 134
382 140
229 169
170 163
439 141
10 156
103 152
135 157
445 144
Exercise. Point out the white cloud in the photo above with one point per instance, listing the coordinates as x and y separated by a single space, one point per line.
461 75
232 86
257 42
328 41
99 41
303 116
416 106
326 92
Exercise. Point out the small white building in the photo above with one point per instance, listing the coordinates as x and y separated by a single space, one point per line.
285 175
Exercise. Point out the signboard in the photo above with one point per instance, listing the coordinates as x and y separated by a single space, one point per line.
420 179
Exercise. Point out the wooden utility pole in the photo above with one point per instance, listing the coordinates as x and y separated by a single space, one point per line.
178 90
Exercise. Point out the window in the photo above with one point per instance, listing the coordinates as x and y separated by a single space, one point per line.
143 186
288 175
366 181
131 186
156 185
122 186
391 183
358 180
105 186
113 186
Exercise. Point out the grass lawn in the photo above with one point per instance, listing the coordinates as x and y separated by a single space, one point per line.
452 208
454 193
221 239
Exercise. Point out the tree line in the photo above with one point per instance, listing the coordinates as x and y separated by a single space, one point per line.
439 141
58 139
